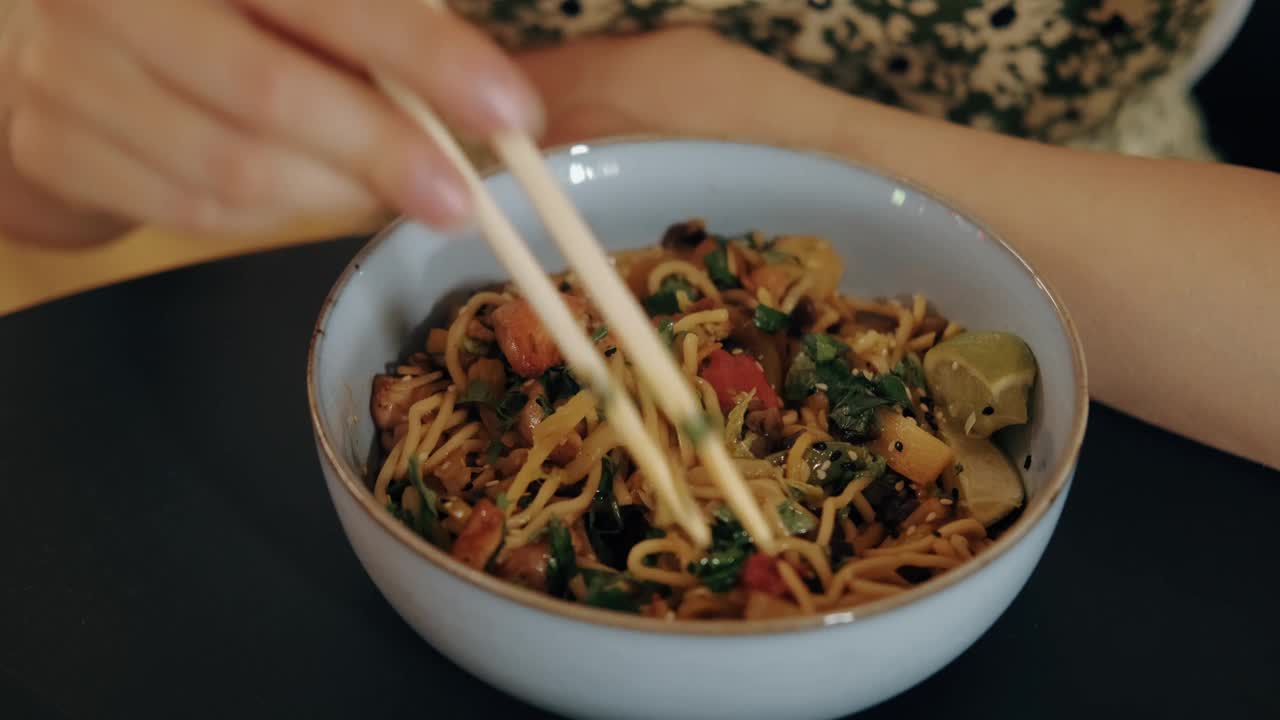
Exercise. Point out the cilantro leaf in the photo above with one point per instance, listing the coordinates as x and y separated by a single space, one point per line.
717 262
720 568
910 372
479 391
892 388
770 320
600 333
560 384
562 565
795 520
667 331
428 525
612 591
664 301
823 348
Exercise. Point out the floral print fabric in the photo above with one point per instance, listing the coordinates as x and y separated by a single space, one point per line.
1054 70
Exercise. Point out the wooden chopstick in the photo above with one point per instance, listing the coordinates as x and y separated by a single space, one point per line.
630 325
537 288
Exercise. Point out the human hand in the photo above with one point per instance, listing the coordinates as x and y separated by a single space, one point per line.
222 116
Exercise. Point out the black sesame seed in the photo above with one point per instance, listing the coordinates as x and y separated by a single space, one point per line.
820 446
899 65
571 7
1004 16
988 410
1026 464
836 455
897 445
565 286
927 402
610 352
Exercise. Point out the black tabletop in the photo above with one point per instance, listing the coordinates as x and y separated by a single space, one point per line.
167 547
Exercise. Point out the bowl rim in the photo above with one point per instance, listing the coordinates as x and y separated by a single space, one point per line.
1032 515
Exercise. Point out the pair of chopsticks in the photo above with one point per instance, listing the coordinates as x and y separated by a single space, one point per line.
627 322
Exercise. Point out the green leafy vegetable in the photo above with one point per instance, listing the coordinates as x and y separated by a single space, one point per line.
562 565
910 372
545 406
717 262
667 331
560 384
730 546
770 320
823 348
795 520
892 388
479 391
428 525
600 333
494 450
734 423
614 591
502 501
664 301
604 516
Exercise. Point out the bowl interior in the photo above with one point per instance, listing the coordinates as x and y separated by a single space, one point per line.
895 240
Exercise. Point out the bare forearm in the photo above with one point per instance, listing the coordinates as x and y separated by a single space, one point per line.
1168 267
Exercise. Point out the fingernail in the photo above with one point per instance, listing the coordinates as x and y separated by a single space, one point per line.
511 105
438 198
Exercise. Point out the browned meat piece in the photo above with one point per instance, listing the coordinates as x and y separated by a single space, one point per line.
482 536
524 340
531 415
392 396
527 566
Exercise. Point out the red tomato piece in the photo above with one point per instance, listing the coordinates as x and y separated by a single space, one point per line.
731 375
760 573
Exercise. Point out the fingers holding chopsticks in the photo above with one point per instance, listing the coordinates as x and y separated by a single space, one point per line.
253 113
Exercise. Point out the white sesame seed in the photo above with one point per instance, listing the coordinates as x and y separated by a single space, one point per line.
822 386
826 464
899 486
946 501
911 530
822 474
955 365
931 517
737 351
491 483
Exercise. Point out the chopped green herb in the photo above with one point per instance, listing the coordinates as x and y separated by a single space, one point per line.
717 262
600 333
730 546
795 520
562 565
664 302
502 502
479 391
613 591
604 517
892 388
910 372
823 348
560 383
770 320
508 410
667 331
494 450
545 406
429 519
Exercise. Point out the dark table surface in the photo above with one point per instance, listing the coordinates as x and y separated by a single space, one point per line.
168 548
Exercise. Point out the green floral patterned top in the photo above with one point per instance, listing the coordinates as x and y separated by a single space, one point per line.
1094 72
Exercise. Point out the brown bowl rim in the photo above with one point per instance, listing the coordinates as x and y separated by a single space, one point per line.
1034 512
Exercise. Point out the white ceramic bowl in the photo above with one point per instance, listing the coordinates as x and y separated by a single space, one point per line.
585 662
